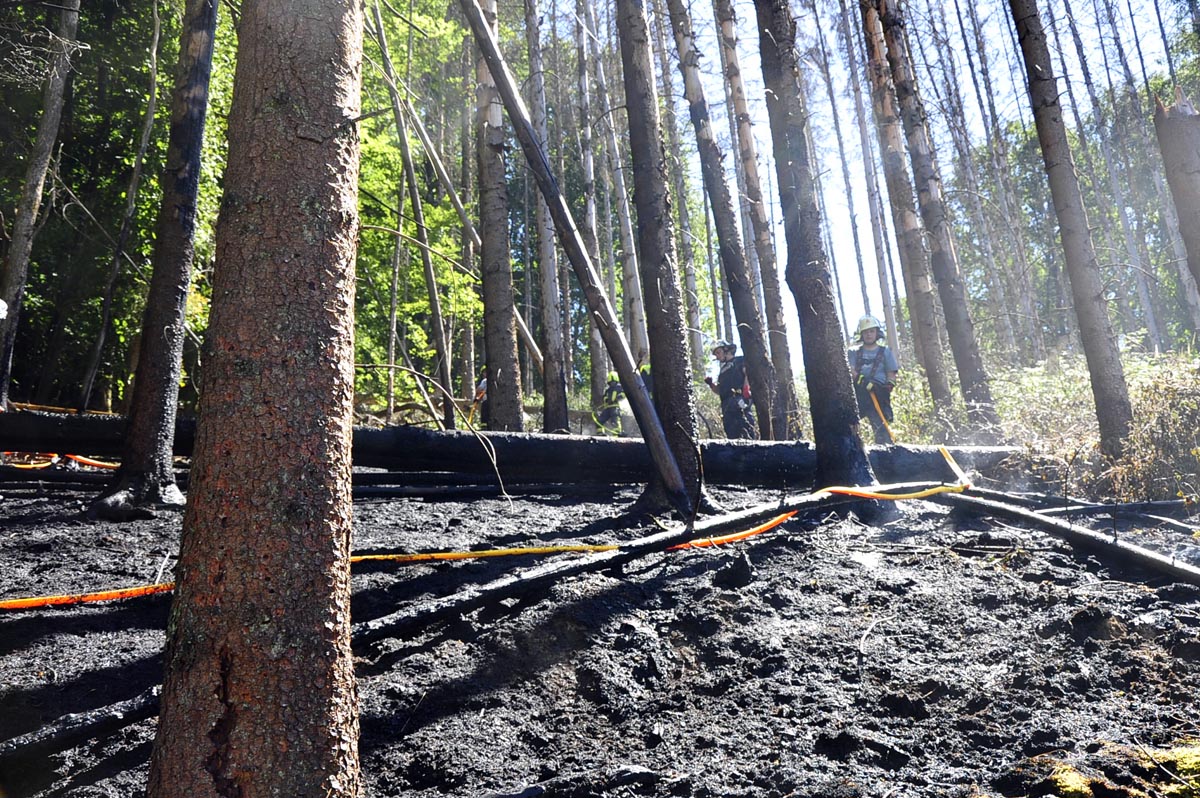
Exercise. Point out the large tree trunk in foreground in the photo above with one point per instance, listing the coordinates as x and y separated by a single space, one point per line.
147 475
841 457
1103 358
656 247
259 692
15 268
772 422
1178 129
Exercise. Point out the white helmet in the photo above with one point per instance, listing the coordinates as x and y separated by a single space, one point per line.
868 322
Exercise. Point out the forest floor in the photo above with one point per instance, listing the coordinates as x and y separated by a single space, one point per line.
928 654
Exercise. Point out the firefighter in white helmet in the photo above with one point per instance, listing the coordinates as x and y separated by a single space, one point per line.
874 368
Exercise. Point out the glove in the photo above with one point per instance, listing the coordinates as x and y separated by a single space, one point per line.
708 380
870 386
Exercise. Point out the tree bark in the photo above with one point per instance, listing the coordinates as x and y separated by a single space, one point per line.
841 456
772 419
437 328
1113 408
147 474
656 246
631 285
500 338
972 376
259 693
1178 131
768 265
15 269
668 470
554 377
914 264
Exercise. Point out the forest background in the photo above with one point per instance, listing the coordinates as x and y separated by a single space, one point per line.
1113 58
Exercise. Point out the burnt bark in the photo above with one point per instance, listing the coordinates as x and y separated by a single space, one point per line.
1178 131
147 475
841 456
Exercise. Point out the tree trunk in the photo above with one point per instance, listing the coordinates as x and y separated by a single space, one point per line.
1113 409
772 419
656 246
1178 130
635 312
500 338
598 358
668 471
764 247
259 693
554 377
131 198
873 200
437 328
677 165
147 475
972 376
910 237
841 456
15 269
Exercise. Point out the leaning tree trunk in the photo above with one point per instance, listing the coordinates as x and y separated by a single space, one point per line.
500 338
1178 129
772 421
1113 409
258 644
14 270
554 377
781 356
656 247
841 456
147 474
914 265
972 376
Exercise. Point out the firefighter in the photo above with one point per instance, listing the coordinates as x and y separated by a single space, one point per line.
874 369
734 391
608 420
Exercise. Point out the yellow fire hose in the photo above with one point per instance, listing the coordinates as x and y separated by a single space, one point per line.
149 590
879 410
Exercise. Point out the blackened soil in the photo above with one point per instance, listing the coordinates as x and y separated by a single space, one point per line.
931 655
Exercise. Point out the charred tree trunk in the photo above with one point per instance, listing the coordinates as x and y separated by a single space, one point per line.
841 456
772 421
1104 361
1178 130
147 475
656 246
258 646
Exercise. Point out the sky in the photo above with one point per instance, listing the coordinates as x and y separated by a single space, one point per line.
1007 84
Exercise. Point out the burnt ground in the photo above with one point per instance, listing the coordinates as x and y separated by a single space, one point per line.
932 654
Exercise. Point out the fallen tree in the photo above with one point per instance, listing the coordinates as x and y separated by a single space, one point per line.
525 457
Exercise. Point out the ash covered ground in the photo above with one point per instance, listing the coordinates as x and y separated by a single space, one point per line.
931 654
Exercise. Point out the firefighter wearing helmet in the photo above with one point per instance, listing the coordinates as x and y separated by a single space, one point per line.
608 420
874 369
733 389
